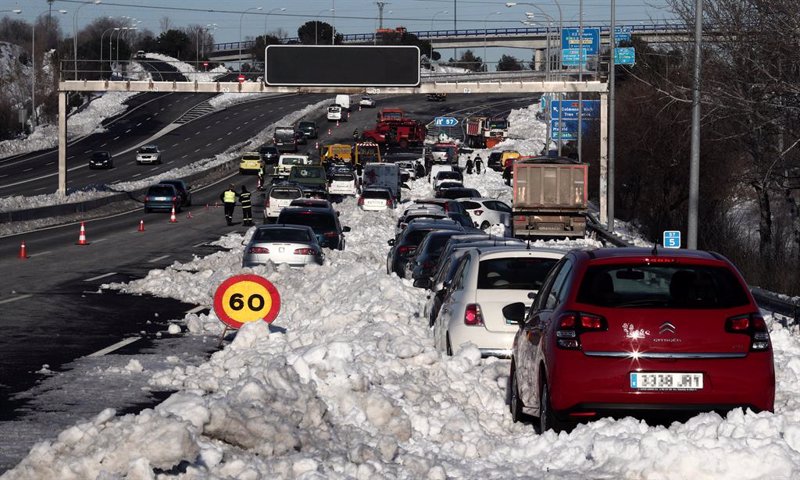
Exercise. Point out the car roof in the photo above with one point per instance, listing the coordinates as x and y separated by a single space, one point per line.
519 251
150 145
250 153
639 253
169 185
479 199
295 209
444 223
282 226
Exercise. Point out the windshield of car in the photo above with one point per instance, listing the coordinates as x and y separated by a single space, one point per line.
100 155
661 285
161 191
281 235
319 222
383 194
334 109
307 172
514 273
285 193
306 125
148 150
499 124
292 160
343 177
449 175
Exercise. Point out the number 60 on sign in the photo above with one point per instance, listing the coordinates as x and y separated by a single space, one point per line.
246 298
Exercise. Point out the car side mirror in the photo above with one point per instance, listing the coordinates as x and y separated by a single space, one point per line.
422 283
391 242
345 229
515 312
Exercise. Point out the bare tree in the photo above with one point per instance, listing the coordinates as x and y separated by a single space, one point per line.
165 23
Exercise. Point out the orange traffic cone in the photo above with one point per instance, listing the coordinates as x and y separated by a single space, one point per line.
337 123
316 145
141 226
172 217
206 206
82 236
348 115
189 215
359 108
23 252
329 131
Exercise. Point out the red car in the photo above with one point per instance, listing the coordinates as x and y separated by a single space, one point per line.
632 331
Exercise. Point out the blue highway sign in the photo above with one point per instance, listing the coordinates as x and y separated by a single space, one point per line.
445 121
672 239
569 109
570 39
624 56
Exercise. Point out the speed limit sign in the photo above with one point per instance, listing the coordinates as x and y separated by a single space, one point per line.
246 298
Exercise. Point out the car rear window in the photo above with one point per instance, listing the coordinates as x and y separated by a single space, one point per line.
415 237
514 273
449 174
384 194
285 193
317 221
307 172
470 205
343 177
661 286
460 193
161 191
281 235
148 150
256 158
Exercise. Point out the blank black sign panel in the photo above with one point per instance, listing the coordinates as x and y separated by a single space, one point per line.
344 66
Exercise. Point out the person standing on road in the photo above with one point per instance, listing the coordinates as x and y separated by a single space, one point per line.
469 166
478 164
247 207
228 198
260 177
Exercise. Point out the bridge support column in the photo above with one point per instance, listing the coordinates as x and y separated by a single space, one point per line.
62 143
538 59
604 193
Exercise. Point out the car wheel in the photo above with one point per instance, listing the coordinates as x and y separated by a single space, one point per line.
547 417
485 225
514 402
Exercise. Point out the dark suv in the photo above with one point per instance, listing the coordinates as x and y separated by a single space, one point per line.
184 191
404 246
101 159
632 331
324 222
308 129
269 154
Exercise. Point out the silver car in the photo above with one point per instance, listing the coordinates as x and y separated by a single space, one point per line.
148 154
295 245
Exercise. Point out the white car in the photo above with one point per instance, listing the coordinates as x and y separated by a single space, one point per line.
486 212
287 161
295 245
446 176
280 196
335 113
428 212
148 154
409 168
343 183
484 283
368 102
376 199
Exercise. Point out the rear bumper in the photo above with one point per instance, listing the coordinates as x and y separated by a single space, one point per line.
491 344
727 384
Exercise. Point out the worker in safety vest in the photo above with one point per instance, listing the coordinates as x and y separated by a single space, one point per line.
247 207
228 198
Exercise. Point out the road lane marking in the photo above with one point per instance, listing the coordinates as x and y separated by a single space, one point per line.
27 170
100 276
88 151
174 144
196 309
51 163
128 130
136 175
116 346
203 244
40 189
117 137
14 299
139 124
92 175
47 252
103 145
154 169
171 161
69 158
3 176
100 240
148 118
158 259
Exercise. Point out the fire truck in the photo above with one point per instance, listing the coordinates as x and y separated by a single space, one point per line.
486 132
395 129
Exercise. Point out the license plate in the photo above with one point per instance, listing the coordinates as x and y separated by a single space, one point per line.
666 381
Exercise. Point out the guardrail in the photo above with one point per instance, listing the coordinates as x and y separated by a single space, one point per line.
768 300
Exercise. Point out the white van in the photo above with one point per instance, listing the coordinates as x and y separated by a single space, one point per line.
287 161
335 113
280 196
343 101
343 183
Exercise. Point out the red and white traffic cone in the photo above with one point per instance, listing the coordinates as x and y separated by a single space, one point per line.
189 215
348 115
329 131
359 107
316 145
337 123
172 217
82 236
141 226
206 206
23 252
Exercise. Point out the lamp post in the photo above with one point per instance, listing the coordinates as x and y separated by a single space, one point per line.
444 12
75 33
484 38
266 17
333 22
33 65
101 48
560 20
240 34
316 23
123 29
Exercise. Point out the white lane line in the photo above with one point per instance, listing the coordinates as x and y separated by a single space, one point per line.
161 110
139 124
103 145
116 346
201 244
136 175
51 163
47 252
148 118
3 176
100 276
158 259
116 138
197 150
39 189
227 134
154 169
128 130
217 122
220 138
174 144
207 127
209 144
196 309
100 240
172 161
69 158
92 175
14 299
87 151
27 169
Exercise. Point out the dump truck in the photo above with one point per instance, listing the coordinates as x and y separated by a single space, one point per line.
486 132
367 152
341 150
550 197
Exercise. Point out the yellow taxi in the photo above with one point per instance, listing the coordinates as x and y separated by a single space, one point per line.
250 162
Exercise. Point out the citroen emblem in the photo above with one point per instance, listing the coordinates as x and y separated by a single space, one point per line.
666 327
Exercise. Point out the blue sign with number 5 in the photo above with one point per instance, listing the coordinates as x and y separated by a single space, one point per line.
672 239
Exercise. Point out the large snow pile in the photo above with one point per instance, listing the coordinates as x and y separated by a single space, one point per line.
346 383
190 72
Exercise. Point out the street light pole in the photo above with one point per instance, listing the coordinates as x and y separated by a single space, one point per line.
484 38
101 48
432 19
123 29
266 17
694 158
333 23
75 34
240 35
317 22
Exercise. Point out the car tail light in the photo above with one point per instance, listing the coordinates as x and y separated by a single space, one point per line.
331 234
360 201
753 325
146 199
174 199
478 212
305 251
406 249
572 324
388 202
266 204
473 316
258 250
